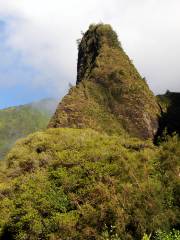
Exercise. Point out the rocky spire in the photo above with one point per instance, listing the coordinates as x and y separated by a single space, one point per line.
91 45
110 95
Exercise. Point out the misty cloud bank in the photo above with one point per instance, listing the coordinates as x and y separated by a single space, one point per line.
44 33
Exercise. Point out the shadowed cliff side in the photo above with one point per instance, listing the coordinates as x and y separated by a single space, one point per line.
110 95
170 113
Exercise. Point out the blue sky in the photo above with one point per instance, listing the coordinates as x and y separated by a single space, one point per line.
38 51
16 86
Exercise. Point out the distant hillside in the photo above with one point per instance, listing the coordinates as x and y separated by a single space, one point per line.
17 122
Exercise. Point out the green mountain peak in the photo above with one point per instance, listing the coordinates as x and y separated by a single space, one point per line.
110 95
91 46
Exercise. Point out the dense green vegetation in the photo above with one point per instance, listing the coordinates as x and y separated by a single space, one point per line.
173 235
18 122
80 184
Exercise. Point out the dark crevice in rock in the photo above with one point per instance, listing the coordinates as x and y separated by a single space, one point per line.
169 121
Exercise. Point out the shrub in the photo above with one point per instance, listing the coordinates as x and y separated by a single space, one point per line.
92 186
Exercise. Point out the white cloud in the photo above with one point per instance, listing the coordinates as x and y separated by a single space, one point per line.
45 33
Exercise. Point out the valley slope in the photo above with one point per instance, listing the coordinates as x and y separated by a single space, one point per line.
17 122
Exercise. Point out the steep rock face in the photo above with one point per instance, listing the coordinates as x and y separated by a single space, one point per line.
110 95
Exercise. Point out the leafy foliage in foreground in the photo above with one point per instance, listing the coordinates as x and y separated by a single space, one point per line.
161 235
80 184
18 122
174 235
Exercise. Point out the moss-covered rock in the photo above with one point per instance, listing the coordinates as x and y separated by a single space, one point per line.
110 95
